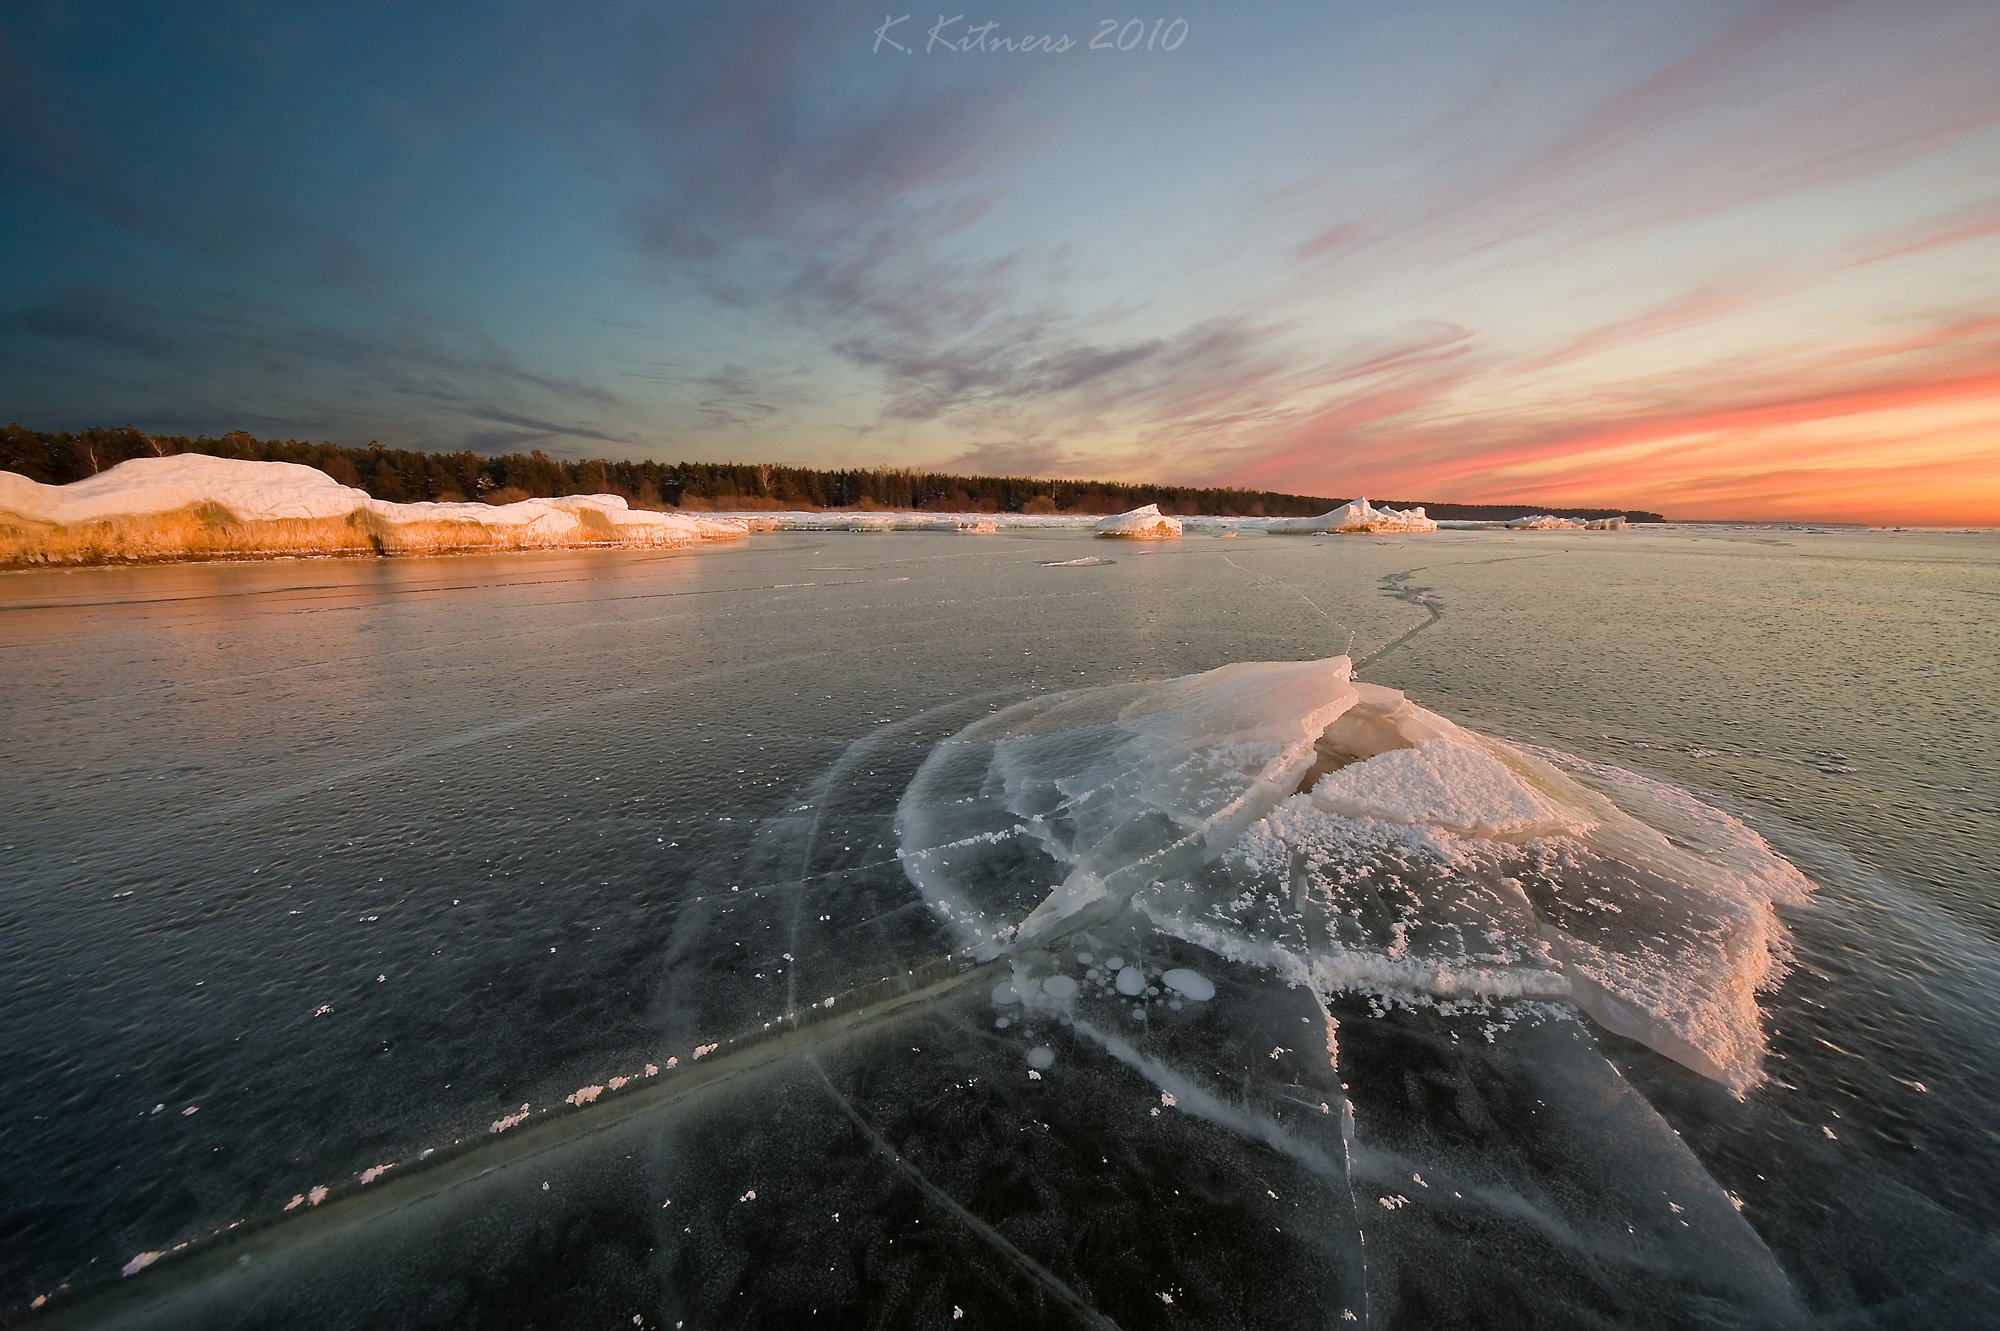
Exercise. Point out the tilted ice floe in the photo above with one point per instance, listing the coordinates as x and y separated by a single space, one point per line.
1145 523
1340 836
160 506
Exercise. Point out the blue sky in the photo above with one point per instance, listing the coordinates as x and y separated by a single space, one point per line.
1715 258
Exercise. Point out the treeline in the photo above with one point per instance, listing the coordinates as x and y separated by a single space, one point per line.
405 475
399 474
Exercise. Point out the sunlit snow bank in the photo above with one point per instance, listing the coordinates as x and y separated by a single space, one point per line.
1359 517
193 504
1145 523
1339 836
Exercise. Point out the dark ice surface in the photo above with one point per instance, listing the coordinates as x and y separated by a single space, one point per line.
313 867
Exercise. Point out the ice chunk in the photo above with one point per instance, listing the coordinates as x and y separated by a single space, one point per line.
1345 838
1145 524
1356 516
140 1263
1106 790
1545 522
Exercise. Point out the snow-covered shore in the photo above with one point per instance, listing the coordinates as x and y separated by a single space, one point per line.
192 506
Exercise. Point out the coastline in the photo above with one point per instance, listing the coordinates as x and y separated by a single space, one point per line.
190 536
194 507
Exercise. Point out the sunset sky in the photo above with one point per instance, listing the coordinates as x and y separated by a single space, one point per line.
1710 257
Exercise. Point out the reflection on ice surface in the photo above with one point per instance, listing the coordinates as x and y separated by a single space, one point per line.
1343 838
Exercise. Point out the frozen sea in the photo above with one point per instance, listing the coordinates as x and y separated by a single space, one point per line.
309 869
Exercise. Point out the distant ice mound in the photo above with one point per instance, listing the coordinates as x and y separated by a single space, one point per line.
1549 522
1355 516
196 504
1142 524
1342 837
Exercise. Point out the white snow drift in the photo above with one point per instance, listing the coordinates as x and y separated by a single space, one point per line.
137 497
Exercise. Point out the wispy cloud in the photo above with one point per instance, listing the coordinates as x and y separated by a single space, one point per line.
1659 439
